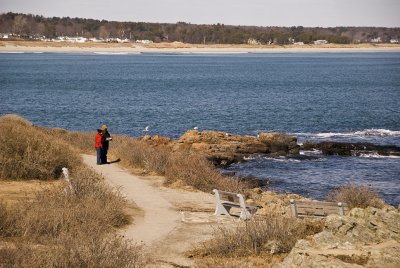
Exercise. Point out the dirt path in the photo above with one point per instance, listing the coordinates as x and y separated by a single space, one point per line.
174 220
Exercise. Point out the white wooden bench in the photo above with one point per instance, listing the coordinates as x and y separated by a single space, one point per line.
224 201
316 209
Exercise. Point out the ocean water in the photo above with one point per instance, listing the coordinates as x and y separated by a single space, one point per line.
315 96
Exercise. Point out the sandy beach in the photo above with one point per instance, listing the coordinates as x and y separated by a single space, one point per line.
177 47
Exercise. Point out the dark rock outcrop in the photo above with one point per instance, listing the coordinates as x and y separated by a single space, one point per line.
351 149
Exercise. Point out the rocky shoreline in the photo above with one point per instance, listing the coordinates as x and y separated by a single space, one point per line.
223 148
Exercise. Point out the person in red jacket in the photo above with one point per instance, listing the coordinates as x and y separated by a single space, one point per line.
99 146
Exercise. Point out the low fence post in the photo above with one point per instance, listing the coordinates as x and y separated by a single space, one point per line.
70 189
293 207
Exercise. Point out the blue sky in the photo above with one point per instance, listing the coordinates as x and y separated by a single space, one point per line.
323 13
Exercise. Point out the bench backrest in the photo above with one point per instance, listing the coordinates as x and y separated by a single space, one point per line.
228 196
305 208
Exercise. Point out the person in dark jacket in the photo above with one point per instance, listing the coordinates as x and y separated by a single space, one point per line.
98 144
106 138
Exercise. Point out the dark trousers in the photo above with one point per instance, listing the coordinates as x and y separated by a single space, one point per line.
103 157
98 153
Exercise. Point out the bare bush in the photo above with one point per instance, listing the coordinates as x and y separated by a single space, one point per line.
200 173
57 228
8 220
84 141
139 154
193 170
272 235
28 153
356 196
93 209
108 251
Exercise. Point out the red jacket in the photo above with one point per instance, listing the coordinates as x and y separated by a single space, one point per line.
98 139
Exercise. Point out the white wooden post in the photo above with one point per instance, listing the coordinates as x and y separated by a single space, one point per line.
66 177
293 207
341 209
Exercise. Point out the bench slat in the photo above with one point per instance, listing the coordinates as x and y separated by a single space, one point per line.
305 208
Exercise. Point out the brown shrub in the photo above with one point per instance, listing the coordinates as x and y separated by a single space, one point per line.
356 196
273 235
8 220
193 170
93 210
83 141
28 153
57 228
108 251
139 154
15 119
200 173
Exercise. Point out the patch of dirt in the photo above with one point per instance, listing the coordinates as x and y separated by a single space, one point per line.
13 191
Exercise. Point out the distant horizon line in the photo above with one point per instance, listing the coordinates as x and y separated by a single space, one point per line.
217 23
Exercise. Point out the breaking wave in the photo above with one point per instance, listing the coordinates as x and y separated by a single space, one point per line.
373 132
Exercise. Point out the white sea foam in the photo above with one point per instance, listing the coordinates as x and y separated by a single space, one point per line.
282 159
373 132
247 158
311 152
377 132
376 155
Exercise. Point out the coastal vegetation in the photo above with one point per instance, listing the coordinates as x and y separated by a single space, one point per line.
271 235
55 227
33 26
356 196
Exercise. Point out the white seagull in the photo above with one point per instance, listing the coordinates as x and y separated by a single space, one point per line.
195 128
146 129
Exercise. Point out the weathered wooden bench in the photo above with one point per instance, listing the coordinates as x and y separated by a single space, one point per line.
225 201
316 209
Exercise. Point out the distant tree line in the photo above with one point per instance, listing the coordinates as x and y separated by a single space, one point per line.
29 26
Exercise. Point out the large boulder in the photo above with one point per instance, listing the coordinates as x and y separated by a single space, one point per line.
224 148
280 143
365 238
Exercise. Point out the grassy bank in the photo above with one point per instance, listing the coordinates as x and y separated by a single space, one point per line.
55 227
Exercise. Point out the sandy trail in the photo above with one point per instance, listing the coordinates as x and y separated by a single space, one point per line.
173 220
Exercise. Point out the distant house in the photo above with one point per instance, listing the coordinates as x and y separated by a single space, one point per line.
394 41
299 43
96 40
320 42
252 41
376 40
144 41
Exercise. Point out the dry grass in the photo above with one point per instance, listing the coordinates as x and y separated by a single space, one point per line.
193 170
54 227
356 196
200 173
109 251
83 141
28 153
68 230
274 234
138 154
